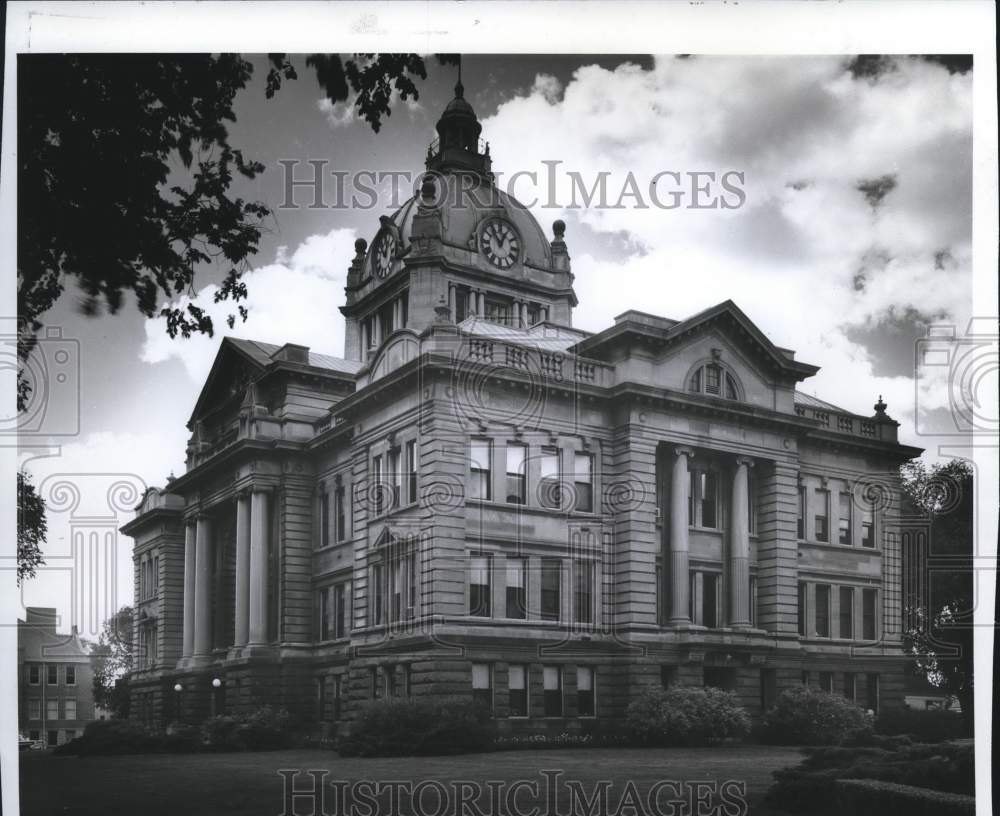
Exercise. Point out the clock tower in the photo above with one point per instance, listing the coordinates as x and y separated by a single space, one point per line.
460 239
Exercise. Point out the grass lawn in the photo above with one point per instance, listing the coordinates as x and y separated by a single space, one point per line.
248 783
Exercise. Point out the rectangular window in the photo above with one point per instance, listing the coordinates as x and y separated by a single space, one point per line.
377 595
52 709
396 589
869 630
871 692
710 600
801 521
373 683
52 675
668 676
822 514
156 576
826 681
850 686
549 492
70 710
847 612
480 468
552 686
395 480
551 579
391 681
868 527
411 577
324 518
585 692
583 482
482 685
411 472
516 482
704 499
340 512
479 586
340 610
53 738
34 709
517 691
33 676
823 610
844 521
802 609
338 684
324 614
517 605
583 592
378 484
713 379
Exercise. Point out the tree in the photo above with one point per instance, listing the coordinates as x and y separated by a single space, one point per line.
32 527
111 658
940 634
124 170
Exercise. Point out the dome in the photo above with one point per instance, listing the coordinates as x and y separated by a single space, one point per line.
463 210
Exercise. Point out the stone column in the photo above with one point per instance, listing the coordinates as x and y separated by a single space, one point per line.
739 546
242 611
260 530
203 588
679 544
451 300
189 589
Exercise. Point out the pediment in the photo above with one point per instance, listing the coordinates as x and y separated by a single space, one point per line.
231 375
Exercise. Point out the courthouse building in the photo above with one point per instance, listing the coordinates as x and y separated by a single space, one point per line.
481 500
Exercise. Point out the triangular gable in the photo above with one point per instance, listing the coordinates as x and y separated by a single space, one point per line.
235 366
726 315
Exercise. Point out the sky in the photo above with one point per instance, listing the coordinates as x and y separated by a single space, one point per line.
853 238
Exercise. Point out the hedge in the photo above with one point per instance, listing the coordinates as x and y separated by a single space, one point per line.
872 797
685 716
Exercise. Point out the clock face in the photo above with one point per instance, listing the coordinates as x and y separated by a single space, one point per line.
499 243
384 252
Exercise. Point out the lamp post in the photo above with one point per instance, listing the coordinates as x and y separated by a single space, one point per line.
218 700
178 688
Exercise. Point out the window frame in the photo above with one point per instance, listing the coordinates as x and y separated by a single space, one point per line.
553 697
823 497
699 480
551 567
845 526
583 488
479 475
34 674
550 497
484 607
519 598
51 674
824 608
586 696
866 618
584 579
520 474
411 471
518 694
480 693
848 593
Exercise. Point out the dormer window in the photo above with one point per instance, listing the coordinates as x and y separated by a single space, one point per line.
714 380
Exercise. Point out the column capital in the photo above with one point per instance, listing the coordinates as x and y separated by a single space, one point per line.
745 460
683 450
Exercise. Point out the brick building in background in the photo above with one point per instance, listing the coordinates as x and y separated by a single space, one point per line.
55 679
480 499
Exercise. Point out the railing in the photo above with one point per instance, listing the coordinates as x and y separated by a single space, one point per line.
848 423
549 365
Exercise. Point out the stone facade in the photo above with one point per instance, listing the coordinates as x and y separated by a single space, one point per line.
481 500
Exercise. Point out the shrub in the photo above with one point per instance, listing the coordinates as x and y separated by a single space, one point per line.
869 797
808 716
685 716
111 737
412 727
925 726
181 738
265 729
812 785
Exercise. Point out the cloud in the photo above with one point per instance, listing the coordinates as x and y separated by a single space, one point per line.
807 257
344 113
293 300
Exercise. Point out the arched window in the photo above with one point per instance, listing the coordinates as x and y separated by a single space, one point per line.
714 380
